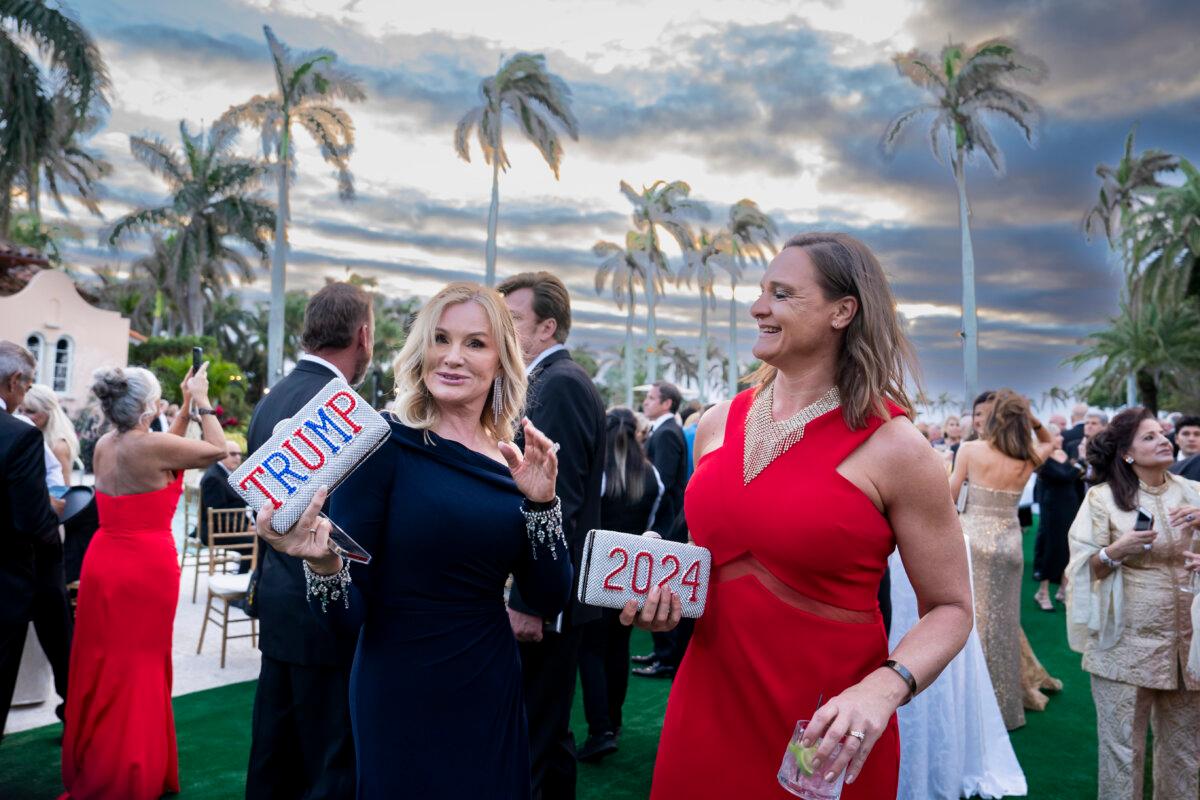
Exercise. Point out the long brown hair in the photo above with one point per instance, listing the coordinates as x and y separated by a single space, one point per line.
1009 429
876 356
1106 452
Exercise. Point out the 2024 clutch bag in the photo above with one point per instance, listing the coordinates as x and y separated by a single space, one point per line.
320 445
619 567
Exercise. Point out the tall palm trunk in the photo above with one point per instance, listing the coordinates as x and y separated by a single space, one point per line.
195 302
970 332
651 331
733 351
493 219
278 275
629 350
703 360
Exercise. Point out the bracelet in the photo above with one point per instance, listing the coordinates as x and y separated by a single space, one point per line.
544 528
200 412
328 587
1109 561
903 672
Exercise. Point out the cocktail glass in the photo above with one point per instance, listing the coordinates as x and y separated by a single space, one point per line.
796 772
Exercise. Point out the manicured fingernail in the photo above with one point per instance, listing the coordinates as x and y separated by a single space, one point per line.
829 776
817 760
850 778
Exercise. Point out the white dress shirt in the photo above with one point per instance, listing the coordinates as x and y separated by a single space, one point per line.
324 363
542 356
54 473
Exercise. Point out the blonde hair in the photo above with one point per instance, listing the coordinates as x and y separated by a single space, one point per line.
875 357
416 407
42 400
1009 429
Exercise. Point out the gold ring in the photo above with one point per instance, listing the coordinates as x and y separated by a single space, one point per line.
862 737
312 530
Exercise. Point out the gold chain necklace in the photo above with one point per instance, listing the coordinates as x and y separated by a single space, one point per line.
767 440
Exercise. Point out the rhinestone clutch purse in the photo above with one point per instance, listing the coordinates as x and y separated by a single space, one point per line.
619 567
320 446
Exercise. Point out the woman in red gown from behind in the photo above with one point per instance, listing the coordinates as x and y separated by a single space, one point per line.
119 733
803 486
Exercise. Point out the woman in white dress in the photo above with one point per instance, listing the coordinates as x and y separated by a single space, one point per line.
953 742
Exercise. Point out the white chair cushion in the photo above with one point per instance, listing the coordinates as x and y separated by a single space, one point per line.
229 585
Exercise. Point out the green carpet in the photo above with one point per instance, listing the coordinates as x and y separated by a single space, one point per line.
1057 747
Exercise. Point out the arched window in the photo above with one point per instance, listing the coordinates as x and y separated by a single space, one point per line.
63 351
36 345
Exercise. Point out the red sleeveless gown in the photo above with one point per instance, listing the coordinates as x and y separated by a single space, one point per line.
792 614
119 738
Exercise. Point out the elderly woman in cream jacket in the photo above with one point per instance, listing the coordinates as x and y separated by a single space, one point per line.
1132 609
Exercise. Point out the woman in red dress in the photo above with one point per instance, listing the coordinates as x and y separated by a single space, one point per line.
803 486
119 733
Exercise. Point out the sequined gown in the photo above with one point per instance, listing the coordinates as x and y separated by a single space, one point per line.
792 614
991 526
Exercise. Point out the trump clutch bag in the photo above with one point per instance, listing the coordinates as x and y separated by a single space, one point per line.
619 567
325 441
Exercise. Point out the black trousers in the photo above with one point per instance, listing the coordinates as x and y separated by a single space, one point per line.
604 671
549 668
52 619
12 644
302 746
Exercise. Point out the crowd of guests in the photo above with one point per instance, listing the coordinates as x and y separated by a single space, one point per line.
464 631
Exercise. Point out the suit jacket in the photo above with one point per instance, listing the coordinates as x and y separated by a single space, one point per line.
26 518
667 449
564 404
288 629
1071 439
1188 468
215 492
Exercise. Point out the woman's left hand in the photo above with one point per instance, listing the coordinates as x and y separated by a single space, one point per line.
865 708
1186 517
536 470
1191 561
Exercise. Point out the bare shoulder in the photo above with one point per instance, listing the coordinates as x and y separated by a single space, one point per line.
710 433
901 455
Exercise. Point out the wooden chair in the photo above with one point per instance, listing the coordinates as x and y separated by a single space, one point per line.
193 552
228 531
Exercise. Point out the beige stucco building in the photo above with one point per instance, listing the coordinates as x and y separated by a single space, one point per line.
68 336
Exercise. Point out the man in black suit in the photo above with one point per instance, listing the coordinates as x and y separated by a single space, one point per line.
667 450
215 492
1073 435
1187 433
564 404
302 745
26 519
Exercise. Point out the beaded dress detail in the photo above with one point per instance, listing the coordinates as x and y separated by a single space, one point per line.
767 440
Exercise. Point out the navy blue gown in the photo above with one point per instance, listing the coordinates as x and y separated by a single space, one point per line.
435 692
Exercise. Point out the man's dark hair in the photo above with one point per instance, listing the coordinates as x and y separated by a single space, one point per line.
333 316
670 392
551 300
1189 421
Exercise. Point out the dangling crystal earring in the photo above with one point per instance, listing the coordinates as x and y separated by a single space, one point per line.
497 399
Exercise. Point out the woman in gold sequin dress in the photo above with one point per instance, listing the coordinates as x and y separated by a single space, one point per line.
1132 610
996 468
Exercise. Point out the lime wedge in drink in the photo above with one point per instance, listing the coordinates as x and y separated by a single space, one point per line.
804 757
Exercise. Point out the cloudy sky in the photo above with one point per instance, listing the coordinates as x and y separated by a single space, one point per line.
781 102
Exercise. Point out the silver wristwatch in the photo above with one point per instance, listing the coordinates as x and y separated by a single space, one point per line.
1112 563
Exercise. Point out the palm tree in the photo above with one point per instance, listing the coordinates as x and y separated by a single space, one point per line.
31 119
211 201
306 88
1166 244
752 236
684 367
711 251
964 84
627 268
1123 193
667 206
1160 343
538 100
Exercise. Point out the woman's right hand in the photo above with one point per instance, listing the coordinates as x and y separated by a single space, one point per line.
195 387
307 539
660 613
1130 543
